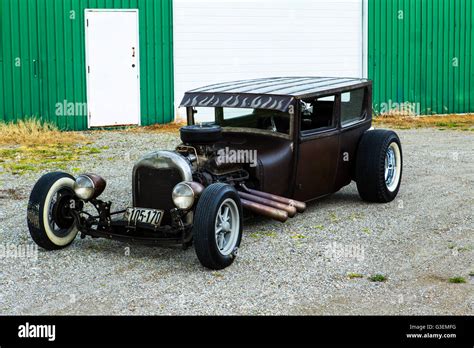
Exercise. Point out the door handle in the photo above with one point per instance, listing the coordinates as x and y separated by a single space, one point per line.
35 68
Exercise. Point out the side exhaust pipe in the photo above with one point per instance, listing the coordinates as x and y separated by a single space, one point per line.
300 206
291 211
273 213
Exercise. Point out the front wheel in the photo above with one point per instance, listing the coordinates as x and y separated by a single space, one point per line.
217 229
379 166
49 219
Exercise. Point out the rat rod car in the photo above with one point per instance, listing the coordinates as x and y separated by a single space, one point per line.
259 147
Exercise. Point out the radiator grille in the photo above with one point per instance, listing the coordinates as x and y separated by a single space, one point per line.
153 188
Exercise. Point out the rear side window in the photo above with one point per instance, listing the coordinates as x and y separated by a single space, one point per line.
352 107
318 114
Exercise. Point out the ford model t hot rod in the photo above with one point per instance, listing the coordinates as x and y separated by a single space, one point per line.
310 137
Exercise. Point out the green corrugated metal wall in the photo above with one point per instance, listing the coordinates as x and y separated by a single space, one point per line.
51 32
422 51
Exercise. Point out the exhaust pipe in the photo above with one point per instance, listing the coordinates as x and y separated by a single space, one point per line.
300 206
289 209
273 213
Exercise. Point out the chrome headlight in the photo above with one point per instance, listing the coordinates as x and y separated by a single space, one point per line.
88 186
183 196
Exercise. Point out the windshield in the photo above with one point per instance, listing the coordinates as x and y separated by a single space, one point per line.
263 120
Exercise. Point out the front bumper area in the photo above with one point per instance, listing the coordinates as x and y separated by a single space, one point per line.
141 234
177 232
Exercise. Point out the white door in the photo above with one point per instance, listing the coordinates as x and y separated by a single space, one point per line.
217 41
113 71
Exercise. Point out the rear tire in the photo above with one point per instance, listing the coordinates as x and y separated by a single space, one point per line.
50 225
379 166
217 229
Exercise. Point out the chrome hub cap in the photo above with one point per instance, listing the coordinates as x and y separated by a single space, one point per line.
392 167
227 227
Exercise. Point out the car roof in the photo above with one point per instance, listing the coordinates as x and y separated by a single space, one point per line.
267 93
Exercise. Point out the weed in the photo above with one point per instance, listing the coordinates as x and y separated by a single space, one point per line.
457 280
261 234
333 217
378 278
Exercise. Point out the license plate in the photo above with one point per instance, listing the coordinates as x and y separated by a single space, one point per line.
146 216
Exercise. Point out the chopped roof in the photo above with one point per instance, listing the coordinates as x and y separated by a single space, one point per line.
294 86
270 93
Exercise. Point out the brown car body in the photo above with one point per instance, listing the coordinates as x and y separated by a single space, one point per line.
307 164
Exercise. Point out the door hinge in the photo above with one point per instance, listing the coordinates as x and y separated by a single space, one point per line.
88 69
87 22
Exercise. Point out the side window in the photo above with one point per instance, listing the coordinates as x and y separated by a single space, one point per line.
352 106
317 114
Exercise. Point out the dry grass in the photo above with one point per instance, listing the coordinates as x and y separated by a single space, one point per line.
32 132
158 128
31 146
454 122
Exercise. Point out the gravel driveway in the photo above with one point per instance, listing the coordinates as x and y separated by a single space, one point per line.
316 263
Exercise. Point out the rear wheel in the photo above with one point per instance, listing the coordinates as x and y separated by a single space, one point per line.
379 166
217 229
50 222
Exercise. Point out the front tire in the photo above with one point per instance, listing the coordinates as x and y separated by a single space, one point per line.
49 221
379 166
217 229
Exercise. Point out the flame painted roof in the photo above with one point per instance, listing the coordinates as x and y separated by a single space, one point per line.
275 93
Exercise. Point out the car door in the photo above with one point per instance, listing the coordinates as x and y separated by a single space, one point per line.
318 148
355 118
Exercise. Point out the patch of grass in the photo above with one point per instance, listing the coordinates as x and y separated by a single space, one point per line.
367 230
262 234
23 159
333 217
318 227
356 216
93 150
217 274
354 275
378 278
33 132
442 122
298 236
457 280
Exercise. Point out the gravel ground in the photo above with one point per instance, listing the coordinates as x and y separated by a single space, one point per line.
418 242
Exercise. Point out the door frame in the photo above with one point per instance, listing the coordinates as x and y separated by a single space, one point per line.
314 137
86 40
